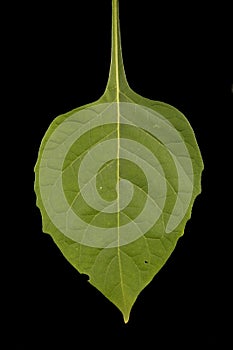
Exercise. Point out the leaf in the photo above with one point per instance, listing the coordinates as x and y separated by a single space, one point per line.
115 182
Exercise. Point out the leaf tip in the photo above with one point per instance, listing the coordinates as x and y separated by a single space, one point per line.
126 318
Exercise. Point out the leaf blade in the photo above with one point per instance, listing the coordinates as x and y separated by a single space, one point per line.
119 268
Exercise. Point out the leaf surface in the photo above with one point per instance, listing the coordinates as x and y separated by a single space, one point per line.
115 182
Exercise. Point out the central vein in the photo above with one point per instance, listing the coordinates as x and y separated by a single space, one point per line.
116 51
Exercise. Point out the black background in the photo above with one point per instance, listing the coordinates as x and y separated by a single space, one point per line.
179 55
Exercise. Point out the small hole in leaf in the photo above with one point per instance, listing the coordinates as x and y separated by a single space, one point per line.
85 277
146 262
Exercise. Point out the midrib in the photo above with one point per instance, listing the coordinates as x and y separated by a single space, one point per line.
116 53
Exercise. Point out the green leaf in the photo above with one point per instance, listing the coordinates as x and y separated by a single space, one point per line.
115 182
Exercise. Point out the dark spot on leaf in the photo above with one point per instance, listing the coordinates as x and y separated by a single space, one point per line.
146 262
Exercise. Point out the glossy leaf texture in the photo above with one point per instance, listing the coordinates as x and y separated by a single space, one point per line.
115 182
